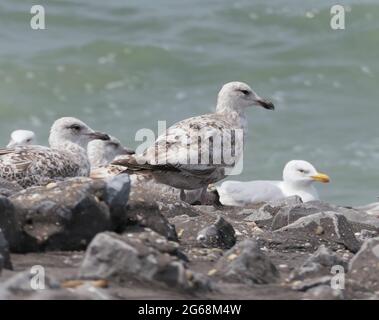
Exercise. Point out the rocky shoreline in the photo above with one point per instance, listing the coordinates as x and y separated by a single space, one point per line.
102 239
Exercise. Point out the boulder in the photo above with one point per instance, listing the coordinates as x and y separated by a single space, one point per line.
5 259
246 263
318 264
220 234
143 257
65 215
364 266
294 211
145 212
329 228
20 286
116 196
8 222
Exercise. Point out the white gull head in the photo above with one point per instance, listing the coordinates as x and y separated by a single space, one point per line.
237 96
68 131
102 152
21 138
300 173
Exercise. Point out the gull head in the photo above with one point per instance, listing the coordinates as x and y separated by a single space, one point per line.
238 96
301 172
102 152
21 138
68 129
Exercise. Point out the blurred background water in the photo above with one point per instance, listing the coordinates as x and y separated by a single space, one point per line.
123 65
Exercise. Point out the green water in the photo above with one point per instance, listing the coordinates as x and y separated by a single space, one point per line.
123 65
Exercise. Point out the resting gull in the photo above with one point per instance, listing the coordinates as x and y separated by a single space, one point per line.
66 157
102 152
168 158
21 138
298 178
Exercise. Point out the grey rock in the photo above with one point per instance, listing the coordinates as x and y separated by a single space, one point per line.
246 263
364 234
364 266
20 285
321 228
324 292
359 220
269 210
290 213
318 264
5 259
117 191
307 284
142 257
9 223
65 215
145 212
220 234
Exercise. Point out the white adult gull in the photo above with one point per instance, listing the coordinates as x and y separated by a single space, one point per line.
180 142
102 152
21 138
298 178
66 157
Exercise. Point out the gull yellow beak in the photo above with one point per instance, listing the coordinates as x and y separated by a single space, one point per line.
321 177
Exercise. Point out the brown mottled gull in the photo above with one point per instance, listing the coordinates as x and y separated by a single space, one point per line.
22 138
66 157
191 153
102 152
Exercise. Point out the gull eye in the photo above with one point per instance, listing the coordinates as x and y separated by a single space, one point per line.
76 127
28 140
301 170
245 92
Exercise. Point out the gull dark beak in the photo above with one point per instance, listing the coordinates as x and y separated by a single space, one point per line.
127 151
98 136
265 104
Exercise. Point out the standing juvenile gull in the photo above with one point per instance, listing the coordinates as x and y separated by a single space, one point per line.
66 157
181 141
298 178
22 138
102 152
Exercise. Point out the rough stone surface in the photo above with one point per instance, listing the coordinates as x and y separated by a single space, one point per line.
247 263
8 222
21 285
143 211
318 264
290 213
5 260
64 215
322 228
116 196
138 257
140 262
364 267
218 235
